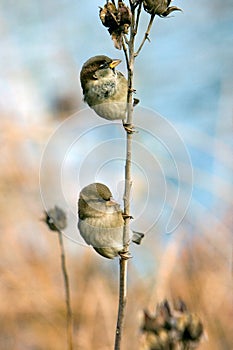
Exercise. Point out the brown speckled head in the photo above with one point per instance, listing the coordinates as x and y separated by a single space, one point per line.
96 191
93 200
91 66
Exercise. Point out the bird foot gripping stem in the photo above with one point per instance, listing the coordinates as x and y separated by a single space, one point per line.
126 216
125 255
129 128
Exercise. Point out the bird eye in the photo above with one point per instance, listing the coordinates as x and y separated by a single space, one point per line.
104 65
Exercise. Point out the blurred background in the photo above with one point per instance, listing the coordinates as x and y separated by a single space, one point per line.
185 74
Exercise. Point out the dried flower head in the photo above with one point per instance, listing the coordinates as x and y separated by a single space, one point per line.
117 20
56 219
108 15
124 15
161 8
169 328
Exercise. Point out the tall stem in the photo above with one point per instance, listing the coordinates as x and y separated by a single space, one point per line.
128 184
67 292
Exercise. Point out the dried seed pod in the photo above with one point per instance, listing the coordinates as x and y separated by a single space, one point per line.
117 20
117 38
108 15
151 323
159 7
124 15
172 327
56 219
195 327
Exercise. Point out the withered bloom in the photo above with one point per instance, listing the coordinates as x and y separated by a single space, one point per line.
56 219
172 328
117 20
108 15
161 8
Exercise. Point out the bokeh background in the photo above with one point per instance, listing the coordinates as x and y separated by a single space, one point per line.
185 74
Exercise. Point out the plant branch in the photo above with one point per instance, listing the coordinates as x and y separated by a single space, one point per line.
146 36
122 301
125 39
128 182
138 16
69 321
126 53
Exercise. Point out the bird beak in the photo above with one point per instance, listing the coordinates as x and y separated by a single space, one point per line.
114 63
111 202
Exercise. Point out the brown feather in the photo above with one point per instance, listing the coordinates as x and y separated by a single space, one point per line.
90 67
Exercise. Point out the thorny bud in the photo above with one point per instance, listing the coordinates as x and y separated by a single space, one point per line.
56 219
117 20
161 8
172 328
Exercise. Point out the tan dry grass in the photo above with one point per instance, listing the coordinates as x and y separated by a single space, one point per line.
32 305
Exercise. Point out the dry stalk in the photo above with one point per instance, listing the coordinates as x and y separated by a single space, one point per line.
146 36
118 19
129 57
56 220
69 321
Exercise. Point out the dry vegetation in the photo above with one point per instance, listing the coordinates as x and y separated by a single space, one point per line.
32 306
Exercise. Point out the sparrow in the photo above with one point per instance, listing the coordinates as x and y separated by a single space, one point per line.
104 88
101 221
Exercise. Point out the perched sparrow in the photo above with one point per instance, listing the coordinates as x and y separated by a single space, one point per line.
101 221
104 88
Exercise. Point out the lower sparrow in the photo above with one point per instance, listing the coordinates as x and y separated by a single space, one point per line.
104 88
101 222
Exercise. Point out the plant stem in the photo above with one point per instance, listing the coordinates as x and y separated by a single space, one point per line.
69 321
122 302
146 36
126 53
138 17
128 183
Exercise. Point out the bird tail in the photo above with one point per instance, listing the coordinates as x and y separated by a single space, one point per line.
137 237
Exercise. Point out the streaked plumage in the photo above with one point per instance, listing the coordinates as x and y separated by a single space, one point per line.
104 88
101 222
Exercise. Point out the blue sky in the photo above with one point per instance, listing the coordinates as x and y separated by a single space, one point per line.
184 74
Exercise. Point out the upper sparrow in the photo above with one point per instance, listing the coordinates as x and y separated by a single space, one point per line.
104 88
101 221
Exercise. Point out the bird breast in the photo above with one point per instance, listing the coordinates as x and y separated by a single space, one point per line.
101 232
107 221
100 90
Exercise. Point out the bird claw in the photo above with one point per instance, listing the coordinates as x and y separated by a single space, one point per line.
125 255
125 216
129 128
132 90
